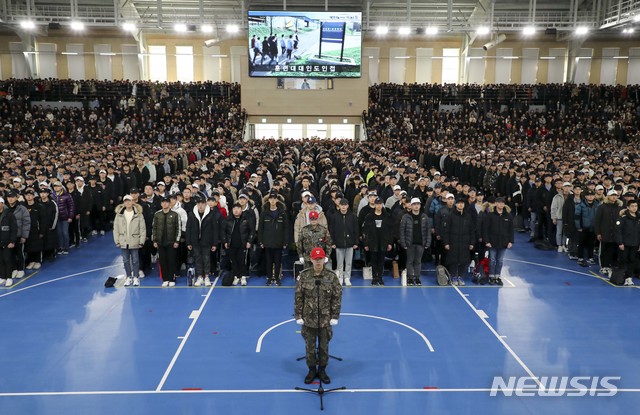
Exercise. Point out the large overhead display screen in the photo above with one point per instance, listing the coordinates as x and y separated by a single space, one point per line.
305 44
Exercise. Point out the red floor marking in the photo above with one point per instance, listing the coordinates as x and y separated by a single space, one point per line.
214 332
315 383
567 283
191 389
429 387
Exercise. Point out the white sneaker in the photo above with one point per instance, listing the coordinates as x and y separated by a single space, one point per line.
347 282
207 282
172 284
140 274
236 280
29 265
128 281
243 281
13 273
19 274
560 249
94 233
136 282
628 281
2 281
36 265
460 281
165 284
102 233
199 282
9 282
341 279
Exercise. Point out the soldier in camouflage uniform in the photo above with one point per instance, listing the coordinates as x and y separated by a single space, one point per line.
318 293
311 236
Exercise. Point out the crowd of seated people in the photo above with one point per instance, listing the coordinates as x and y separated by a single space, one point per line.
455 172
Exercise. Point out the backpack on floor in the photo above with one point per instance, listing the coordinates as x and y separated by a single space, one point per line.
617 276
227 279
442 275
480 274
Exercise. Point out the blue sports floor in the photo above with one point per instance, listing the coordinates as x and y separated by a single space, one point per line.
71 346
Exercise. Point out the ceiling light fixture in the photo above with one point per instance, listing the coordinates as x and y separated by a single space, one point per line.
482 30
207 28
529 30
27 25
382 30
581 31
129 27
233 28
77 26
432 30
180 27
404 31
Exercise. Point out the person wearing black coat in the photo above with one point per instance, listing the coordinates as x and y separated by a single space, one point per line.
568 219
129 180
345 234
34 245
99 207
50 236
627 236
238 234
273 236
8 239
458 238
202 238
607 214
84 207
377 232
498 236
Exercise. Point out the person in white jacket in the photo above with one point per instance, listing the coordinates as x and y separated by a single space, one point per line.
129 234
556 214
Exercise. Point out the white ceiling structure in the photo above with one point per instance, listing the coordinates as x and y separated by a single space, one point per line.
449 16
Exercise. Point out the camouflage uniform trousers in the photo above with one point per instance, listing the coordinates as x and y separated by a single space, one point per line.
311 336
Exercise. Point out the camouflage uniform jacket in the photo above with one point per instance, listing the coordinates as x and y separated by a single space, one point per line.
313 236
306 300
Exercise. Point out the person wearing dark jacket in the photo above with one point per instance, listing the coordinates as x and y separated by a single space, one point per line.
439 218
458 237
8 239
23 219
604 223
99 207
569 222
129 180
166 236
627 235
415 237
83 207
273 234
66 213
74 226
377 232
34 244
238 234
498 236
202 238
584 219
344 231
50 213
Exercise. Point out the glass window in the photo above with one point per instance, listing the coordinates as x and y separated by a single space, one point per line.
158 63
450 65
184 63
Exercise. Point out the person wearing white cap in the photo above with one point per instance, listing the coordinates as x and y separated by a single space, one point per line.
607 214
556 214
415 237
8 239
129 234
394 198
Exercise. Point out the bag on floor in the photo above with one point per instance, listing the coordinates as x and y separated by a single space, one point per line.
617 276
227 279
442 275
367 273
110 282
480 274
543 245
395 269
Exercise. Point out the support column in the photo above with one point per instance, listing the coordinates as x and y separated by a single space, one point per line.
573 50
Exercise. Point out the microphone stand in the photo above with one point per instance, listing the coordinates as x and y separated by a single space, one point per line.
320 391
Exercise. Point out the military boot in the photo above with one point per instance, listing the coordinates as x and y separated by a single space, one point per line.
322 374
311 375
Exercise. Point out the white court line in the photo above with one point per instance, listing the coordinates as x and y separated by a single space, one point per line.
186 337
236 391
509 281
552 267
58 279
504 343
424 338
